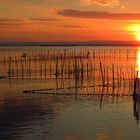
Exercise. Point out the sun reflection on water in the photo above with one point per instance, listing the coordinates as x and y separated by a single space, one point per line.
138 61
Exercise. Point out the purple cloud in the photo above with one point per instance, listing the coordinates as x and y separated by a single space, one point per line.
98 15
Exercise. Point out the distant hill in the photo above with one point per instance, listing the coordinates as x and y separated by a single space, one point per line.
72 43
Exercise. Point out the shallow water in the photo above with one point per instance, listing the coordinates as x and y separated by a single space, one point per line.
65 117
38 116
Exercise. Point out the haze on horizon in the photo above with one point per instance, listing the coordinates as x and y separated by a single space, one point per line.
69 20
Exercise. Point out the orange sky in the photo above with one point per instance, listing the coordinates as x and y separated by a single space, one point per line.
69 20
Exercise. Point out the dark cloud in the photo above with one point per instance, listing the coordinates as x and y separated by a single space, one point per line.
98 15
10 20
9 24
72 26
47 19
20 22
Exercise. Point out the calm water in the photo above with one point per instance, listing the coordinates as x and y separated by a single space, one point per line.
64 117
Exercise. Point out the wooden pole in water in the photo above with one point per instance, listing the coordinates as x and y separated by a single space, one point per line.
102 73
45 70
69 69
56 69
120 77
16 63
94 74
123 78
22 67
107 77
87 71
50 70
4 61
113 76
9 70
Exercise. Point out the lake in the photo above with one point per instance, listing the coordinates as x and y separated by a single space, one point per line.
90 99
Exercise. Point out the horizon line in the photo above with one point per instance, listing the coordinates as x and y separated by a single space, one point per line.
71 43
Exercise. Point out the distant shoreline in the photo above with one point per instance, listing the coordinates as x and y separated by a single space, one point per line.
67 45
89 43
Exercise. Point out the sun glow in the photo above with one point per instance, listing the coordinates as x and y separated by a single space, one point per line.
138 37
135 29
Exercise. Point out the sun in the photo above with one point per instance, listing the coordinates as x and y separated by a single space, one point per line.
138 37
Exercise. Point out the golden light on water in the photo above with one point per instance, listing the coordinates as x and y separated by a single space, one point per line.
138 60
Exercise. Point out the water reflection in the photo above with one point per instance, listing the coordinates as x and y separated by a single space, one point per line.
52 116
19 116
136 107
136 96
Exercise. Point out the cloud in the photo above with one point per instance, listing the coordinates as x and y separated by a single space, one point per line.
98 15
20 23
45 19
8 24
111 3
12 23
10 20
74 26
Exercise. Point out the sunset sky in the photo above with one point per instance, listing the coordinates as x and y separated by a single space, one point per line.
69 20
